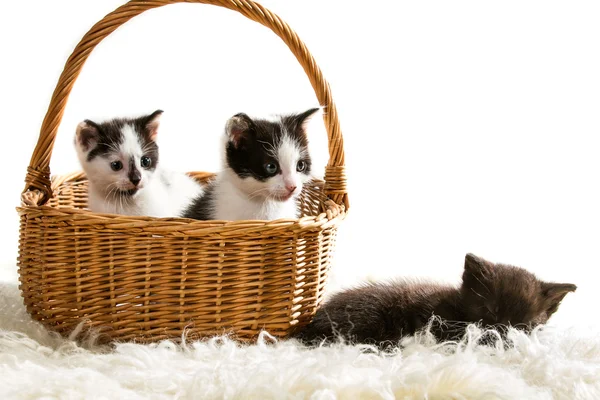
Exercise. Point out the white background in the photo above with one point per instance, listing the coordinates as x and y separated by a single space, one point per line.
469 126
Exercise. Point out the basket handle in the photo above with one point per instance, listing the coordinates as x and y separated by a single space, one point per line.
38 186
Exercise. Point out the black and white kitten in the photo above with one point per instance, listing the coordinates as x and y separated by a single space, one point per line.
121 160
494 295
266 162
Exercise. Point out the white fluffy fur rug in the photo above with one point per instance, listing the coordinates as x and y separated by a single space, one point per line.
549 364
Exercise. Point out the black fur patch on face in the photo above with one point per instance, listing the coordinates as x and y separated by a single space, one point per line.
253 143
109 137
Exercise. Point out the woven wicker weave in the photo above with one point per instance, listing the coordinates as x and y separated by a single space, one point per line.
146 279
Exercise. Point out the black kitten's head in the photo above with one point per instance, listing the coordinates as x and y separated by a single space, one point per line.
119 156
498 294
269 157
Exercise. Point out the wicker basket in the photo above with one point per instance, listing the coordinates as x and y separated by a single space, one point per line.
146 279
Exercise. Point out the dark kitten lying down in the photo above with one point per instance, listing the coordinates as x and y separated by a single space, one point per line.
494 295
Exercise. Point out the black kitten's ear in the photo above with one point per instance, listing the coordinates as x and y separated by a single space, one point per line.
152 123
555 293
238 127
87 134
475 265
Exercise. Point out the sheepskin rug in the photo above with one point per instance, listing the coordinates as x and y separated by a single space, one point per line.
551 363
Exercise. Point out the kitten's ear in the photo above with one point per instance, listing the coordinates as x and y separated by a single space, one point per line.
238 126
475 265
304 118
555 293
152 123
87 134
306 115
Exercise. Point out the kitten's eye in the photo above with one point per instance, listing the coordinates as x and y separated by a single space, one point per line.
271 168
301 166
145 161
116 165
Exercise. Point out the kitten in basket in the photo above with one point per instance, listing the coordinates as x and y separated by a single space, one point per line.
266 162
121 160
494 295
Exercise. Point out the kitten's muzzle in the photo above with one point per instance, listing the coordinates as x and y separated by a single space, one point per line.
287 193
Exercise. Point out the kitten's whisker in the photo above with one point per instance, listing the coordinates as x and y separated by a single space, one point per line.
111 146
257 192
271 196
147 147
121 202
113 188
270 149
473 290
485 287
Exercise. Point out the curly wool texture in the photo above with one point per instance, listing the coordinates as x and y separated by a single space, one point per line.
549 364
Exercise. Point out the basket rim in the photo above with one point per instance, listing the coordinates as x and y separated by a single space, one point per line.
187 226
332 215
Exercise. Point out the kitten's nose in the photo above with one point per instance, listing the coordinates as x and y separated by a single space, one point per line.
135 177
290 188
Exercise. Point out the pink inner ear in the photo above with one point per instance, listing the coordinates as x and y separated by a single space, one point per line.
86 135
235 136
153 129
